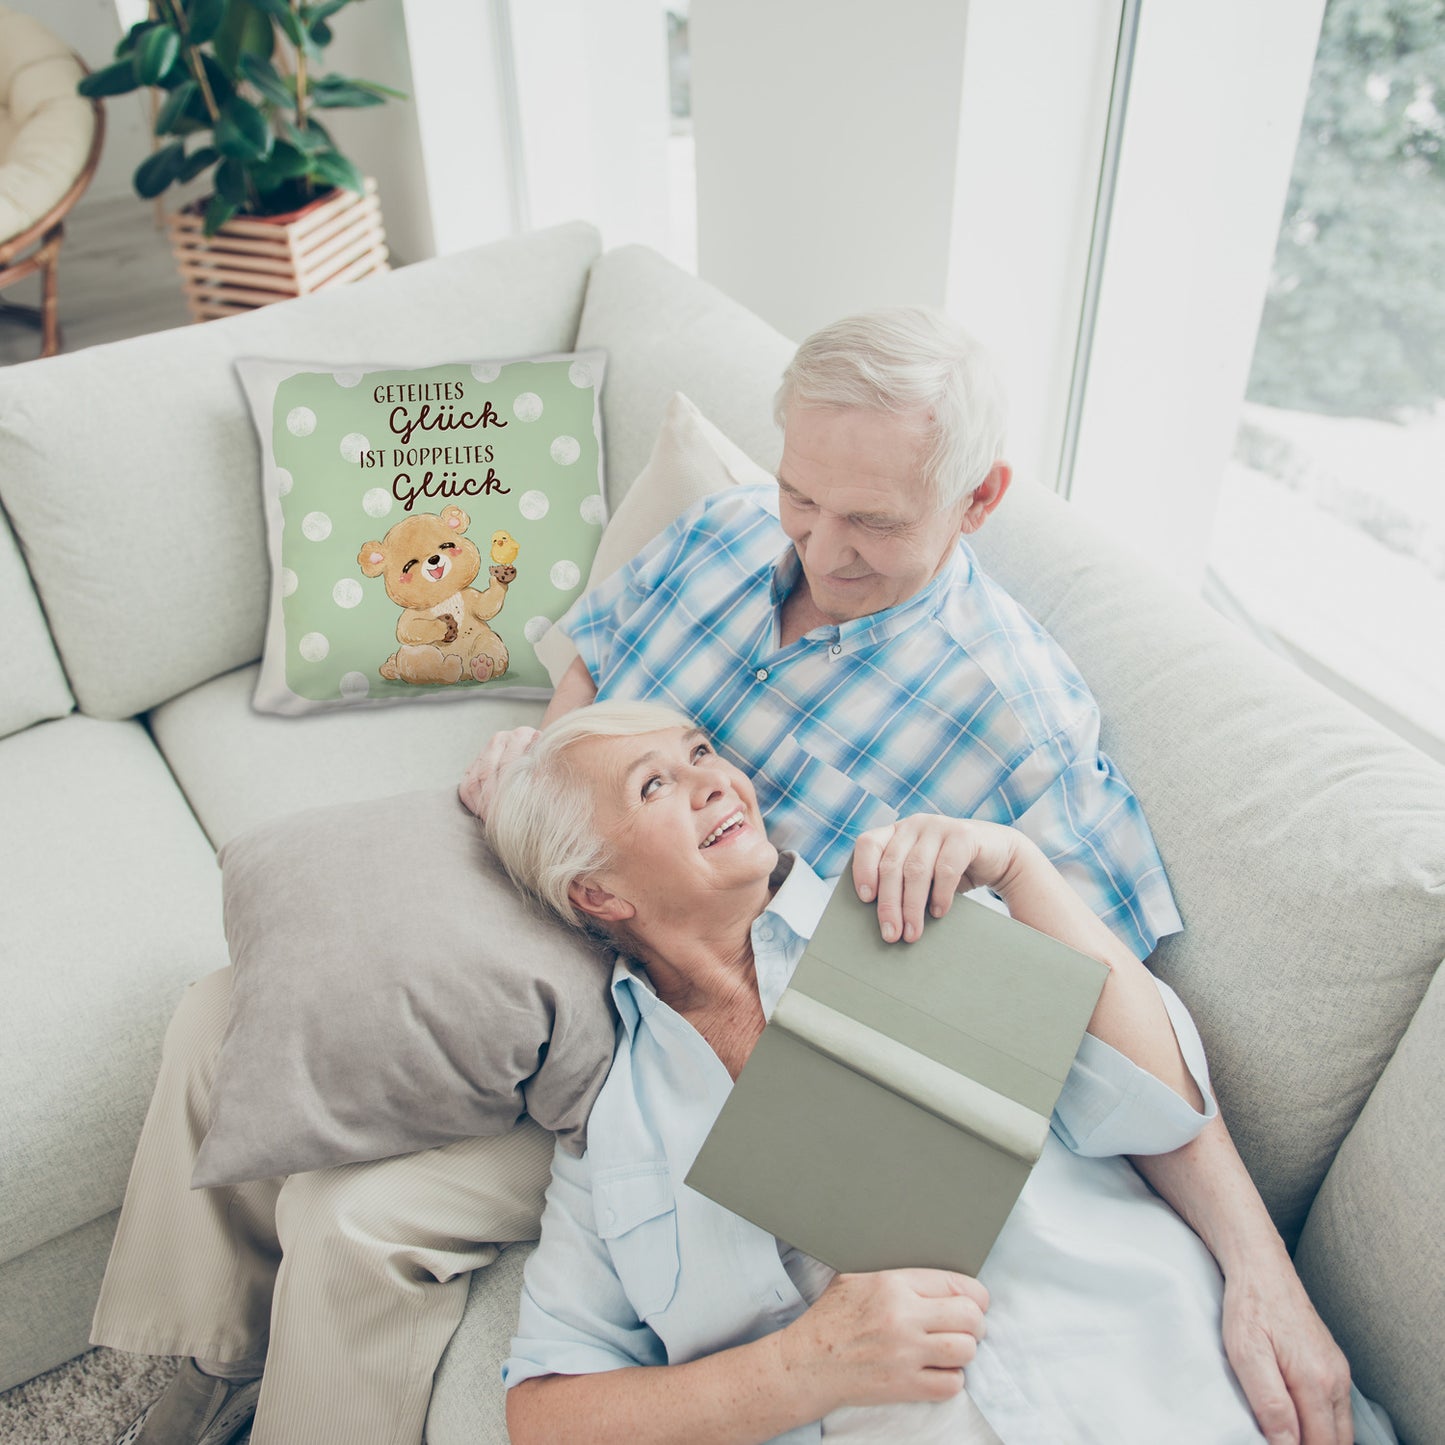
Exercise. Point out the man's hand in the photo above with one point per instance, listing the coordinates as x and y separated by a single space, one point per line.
1295 1377
475 788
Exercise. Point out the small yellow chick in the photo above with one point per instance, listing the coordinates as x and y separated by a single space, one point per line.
504 548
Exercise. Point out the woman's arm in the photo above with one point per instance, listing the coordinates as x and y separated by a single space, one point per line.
917 865
903 1334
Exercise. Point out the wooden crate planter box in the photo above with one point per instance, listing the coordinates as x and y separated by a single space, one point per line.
255 260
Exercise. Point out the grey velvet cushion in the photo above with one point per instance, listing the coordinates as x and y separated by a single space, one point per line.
132 474
392 993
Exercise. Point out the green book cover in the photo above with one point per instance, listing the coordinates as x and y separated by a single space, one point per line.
900 1094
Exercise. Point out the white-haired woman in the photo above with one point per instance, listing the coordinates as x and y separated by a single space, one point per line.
652 1314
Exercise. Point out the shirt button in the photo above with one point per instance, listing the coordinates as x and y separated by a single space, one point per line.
765 932
761 674
836 648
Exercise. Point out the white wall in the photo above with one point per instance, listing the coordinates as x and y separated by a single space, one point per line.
827 146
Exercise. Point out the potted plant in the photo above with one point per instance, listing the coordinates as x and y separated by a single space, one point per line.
239 85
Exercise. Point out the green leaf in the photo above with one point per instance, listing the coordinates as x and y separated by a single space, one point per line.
378 89
320 35
222 85
313 140
231 182
158 50
278 89
197 161
324 11
131 38
117 79
287 163
218 213
203 19
333 168
157 171
333 92
244 31
285 17
242 132
174 110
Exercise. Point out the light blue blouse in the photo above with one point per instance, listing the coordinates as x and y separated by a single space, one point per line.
1105 1316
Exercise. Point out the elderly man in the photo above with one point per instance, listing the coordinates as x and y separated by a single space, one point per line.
838 640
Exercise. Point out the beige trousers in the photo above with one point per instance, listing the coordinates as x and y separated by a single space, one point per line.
350 1281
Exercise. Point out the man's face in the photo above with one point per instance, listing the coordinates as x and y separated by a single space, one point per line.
853 500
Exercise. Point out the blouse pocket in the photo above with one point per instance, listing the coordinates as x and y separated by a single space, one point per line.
637 1217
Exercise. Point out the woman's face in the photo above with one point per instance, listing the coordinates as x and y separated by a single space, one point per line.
681 823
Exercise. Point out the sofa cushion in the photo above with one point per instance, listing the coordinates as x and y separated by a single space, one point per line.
111 905
131 472
239 768
1302 841
35 687
665 331
491 470
1372 1254
392 993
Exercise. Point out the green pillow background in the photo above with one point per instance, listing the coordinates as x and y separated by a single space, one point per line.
344 472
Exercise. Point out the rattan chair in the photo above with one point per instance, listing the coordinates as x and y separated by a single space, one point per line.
50 139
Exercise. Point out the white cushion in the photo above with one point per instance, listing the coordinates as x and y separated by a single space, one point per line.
132 475
45 139
111 904
691 459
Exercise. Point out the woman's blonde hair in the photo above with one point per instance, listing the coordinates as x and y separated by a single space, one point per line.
542 819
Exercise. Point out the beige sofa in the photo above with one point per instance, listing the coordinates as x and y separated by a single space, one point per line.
1306 846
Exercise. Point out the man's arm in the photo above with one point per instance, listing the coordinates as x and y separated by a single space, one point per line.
475 789
1295 1377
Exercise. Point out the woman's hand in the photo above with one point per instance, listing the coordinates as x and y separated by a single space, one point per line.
475 788
918 864
899 1334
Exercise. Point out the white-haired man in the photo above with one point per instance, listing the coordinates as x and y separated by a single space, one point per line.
837 639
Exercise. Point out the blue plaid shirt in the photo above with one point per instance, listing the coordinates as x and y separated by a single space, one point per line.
954 702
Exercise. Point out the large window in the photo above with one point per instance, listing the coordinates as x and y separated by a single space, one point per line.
1330 528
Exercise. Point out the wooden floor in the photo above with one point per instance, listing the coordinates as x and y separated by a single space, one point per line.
117 279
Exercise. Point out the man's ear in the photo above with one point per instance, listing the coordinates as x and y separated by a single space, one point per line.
596 902
986 496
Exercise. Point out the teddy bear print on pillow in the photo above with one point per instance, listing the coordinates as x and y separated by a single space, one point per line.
426 527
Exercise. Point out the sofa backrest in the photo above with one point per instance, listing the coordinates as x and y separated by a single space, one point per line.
1302 841
35 688
131 472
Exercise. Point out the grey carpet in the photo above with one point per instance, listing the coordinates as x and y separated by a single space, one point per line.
86 1402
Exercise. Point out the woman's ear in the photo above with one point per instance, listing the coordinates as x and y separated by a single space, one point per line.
596 902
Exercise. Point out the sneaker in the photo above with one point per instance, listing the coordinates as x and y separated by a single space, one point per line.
195 1409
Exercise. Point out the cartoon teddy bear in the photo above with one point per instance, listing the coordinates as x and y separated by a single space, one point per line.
429 567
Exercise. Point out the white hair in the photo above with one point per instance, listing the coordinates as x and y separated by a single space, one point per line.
542 819
908 360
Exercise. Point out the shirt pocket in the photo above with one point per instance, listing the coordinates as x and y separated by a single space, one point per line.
817 808
636 1212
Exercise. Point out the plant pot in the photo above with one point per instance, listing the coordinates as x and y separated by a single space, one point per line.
255 260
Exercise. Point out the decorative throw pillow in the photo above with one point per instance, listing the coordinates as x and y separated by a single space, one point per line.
691 459
393 992
425 526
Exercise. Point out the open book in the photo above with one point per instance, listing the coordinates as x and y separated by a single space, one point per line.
892 1109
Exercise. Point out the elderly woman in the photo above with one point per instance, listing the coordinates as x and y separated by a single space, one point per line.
652 1313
